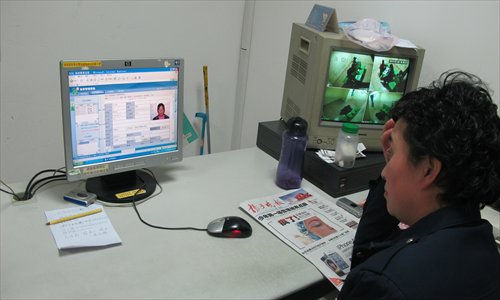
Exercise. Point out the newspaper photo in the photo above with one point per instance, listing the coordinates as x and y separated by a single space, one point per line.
316 228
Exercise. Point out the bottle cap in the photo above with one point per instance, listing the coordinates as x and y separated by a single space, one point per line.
350 128
297 126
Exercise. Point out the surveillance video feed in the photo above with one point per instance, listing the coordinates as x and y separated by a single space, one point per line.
363 88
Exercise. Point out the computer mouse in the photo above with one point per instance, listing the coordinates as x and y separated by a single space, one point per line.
230 227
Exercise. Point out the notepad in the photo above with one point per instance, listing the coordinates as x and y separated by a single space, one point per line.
90 231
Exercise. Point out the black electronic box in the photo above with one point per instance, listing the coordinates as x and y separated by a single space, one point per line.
332 179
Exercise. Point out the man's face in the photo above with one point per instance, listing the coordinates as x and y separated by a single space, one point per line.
401 187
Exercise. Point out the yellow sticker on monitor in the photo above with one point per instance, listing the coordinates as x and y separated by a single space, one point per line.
130 193
81 64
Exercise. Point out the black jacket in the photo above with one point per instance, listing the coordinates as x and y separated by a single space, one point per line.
449 254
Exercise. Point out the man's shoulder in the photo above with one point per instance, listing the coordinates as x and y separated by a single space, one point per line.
418 265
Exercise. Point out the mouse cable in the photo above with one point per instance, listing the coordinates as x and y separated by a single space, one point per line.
155 226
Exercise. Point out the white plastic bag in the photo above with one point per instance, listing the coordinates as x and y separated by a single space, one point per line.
371 34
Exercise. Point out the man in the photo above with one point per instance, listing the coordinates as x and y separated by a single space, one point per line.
442 149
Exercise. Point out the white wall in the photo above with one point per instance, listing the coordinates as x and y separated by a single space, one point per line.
35 35
455 34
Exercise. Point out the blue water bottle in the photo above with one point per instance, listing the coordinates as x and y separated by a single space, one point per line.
293 150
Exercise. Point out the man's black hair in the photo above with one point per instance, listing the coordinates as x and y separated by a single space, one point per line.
456 121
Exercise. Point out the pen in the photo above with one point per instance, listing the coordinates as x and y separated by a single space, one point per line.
83 214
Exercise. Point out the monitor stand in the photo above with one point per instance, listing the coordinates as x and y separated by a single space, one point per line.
120 188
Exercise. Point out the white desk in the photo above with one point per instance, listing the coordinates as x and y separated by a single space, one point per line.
160 264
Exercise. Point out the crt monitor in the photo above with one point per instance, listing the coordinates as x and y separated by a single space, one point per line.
331 80
119 117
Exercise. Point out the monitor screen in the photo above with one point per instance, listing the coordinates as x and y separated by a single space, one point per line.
120 116
362 88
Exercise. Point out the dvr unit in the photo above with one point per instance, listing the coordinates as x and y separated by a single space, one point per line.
332 179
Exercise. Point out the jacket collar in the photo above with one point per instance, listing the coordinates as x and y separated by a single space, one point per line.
446 217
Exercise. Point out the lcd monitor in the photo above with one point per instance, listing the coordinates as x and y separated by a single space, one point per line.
331 80
121 116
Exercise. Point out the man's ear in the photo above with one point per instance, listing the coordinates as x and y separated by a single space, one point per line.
431 169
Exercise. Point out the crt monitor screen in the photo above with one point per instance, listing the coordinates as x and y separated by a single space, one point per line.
362 88
120 116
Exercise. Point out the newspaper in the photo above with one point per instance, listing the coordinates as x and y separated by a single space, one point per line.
316 228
